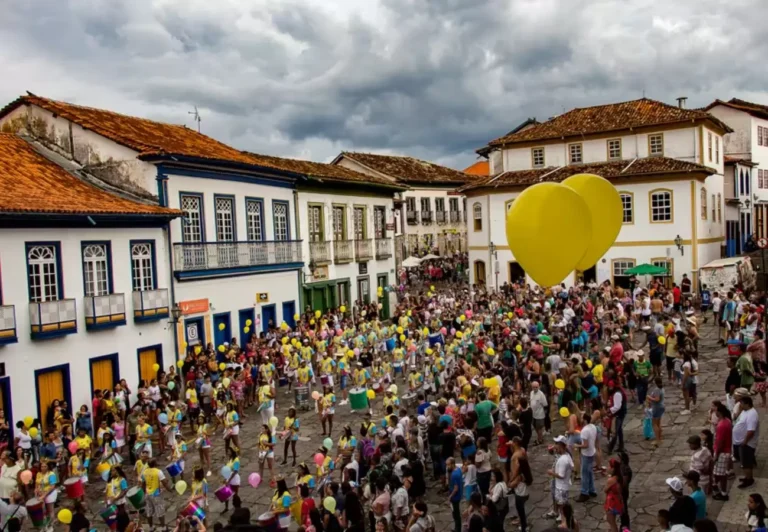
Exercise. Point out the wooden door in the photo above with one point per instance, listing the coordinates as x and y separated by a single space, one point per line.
50 386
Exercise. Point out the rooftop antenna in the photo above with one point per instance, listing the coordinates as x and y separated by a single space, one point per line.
196 117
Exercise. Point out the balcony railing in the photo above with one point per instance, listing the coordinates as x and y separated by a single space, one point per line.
343 251
150 305
455 217
49 319
102 312
202 256
412 217
383 248
8 324
363 250
426 217
441 217
320 252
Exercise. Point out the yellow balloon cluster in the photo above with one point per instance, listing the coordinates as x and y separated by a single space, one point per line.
554 228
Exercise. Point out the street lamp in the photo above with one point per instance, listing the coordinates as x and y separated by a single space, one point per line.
175 314
312 267
679 244
494 263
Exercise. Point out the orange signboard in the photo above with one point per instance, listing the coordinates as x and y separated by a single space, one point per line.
194 306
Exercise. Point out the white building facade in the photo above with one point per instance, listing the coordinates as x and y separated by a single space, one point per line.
668 170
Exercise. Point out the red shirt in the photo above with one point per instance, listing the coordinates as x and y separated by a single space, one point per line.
503 448
723 436
617 353
307 505
676 294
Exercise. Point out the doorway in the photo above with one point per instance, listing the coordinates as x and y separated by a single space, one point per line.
479 272
589 275
51 384
148 357
289 310
382 281
245 315
363 289
222 333
516 273
268 317
105 372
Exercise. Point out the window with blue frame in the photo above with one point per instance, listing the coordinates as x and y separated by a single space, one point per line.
44 272
143 266
254 212
97 274
280 215
192 206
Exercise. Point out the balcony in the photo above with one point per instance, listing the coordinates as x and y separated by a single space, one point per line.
104 312
441 217
8 325
383 248
198 260
455 217
343 251
363 250
320 252
412 217
150 305
49 319
426 217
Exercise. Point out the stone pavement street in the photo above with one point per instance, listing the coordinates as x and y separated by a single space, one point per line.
648 492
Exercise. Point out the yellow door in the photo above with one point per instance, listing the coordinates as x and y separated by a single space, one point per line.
103 376
479 272
50 386
147 359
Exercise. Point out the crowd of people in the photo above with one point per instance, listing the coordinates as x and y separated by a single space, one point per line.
461 384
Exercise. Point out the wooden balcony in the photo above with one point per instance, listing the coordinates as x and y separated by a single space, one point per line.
343 251
363 250
320 252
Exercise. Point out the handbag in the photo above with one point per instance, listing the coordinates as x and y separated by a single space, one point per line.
648 432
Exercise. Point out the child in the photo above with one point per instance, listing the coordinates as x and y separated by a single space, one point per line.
199 493
178 454
470 477
678 370
118 428
663 519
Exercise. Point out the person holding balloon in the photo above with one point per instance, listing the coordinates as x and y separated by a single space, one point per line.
45 487
267 452
327 407
231 473
291 426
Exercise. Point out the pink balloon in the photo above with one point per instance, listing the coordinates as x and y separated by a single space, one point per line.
25 476
72 447
412 348
468 314
453 331
443 331
254 479
339 332
323 335
319 459
356 351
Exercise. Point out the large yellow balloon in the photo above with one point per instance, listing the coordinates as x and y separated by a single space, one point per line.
548 230
604 205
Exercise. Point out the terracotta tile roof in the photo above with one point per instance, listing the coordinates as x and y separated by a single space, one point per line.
479 168
326 172
755 109
147 137
607 118
409 170
33 184
609 170
746 161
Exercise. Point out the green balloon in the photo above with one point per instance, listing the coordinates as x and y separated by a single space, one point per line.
171 385
328 443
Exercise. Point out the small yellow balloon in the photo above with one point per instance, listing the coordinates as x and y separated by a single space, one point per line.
318 314
248 323
312 321
560 384
402 338
64 516
225 382
425 331
246 330
510 315
408 313
222 366
222 326
180 364
371 394
33 432
429 351
198 349
296 317
284 340
589 364
155 367
606 211
490 351
222 349
548 230
564 412
28 421
432 288
662 340
284 326
459 334
343 309
519 348
400 330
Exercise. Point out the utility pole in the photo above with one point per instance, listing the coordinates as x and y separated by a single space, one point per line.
196 117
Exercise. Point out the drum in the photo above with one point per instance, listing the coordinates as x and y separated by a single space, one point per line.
358 398
74 487
224 493
325 380
390 344
268 522
398 367
115 459
135 496
109 516
436 338
378 388
193 510
173 469
301 396
410 400
36 511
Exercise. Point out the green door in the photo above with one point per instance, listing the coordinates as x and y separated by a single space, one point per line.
382 281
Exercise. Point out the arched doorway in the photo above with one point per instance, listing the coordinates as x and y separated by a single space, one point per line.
479 272
516 273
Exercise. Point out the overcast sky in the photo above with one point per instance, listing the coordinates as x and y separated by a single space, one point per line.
430 78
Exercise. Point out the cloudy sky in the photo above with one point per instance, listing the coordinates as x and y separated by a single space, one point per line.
430 78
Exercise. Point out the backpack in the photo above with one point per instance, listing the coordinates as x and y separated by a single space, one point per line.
368 449
430 525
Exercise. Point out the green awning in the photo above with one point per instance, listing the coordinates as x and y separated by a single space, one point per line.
646 269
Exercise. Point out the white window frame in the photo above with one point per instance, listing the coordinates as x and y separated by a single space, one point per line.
657 212
225 218
614 150
538 157
192 224
254 218
622 265
656 145
281 220
627 207
575 153
96 270
43 273
477 216
142 266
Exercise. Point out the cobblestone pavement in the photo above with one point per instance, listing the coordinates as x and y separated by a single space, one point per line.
648 492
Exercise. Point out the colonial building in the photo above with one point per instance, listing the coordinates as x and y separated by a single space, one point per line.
666 161
430 215
746 150
84 285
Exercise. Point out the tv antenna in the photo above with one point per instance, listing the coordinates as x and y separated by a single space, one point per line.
196 117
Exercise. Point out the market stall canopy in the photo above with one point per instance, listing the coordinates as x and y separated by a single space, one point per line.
430 257
411 262
646 269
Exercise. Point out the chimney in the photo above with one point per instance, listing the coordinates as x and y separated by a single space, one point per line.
681 101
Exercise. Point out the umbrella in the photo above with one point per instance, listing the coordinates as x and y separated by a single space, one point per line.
646 269
411 262
430 257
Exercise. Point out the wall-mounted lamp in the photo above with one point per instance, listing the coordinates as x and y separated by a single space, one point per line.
679 244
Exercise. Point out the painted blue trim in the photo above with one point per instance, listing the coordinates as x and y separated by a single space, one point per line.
153 251
59 274
254 199
268 176
108 245
264 320
115 368
64 368
290 306
104 325
202 213
52 334
220 337
244 315
162 189
5 390
200 320
287 219
154 317
230 197
158 348
236 272
10 339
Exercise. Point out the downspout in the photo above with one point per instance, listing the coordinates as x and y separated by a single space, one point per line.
163 200
297 221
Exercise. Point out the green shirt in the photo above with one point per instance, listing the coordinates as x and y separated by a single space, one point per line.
483 411
642 369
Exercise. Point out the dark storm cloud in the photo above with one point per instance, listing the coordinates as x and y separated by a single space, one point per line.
433 78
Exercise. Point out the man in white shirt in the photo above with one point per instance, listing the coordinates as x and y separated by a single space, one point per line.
538 409
560 475
746 433
588 451
618 412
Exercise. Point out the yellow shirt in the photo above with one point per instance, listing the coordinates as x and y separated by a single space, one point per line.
151 478
199 489
143 432
84 443
327 365
140 467
264 441
597 372
304 375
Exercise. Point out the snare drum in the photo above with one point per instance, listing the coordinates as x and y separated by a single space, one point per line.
109 516
269 522
135 496
193 510
174 469
36 512
74 487
378 388
224 493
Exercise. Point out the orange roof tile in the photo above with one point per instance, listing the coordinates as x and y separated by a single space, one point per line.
607 118
609 170
147 137
755 109
479 168
31 183
409 170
